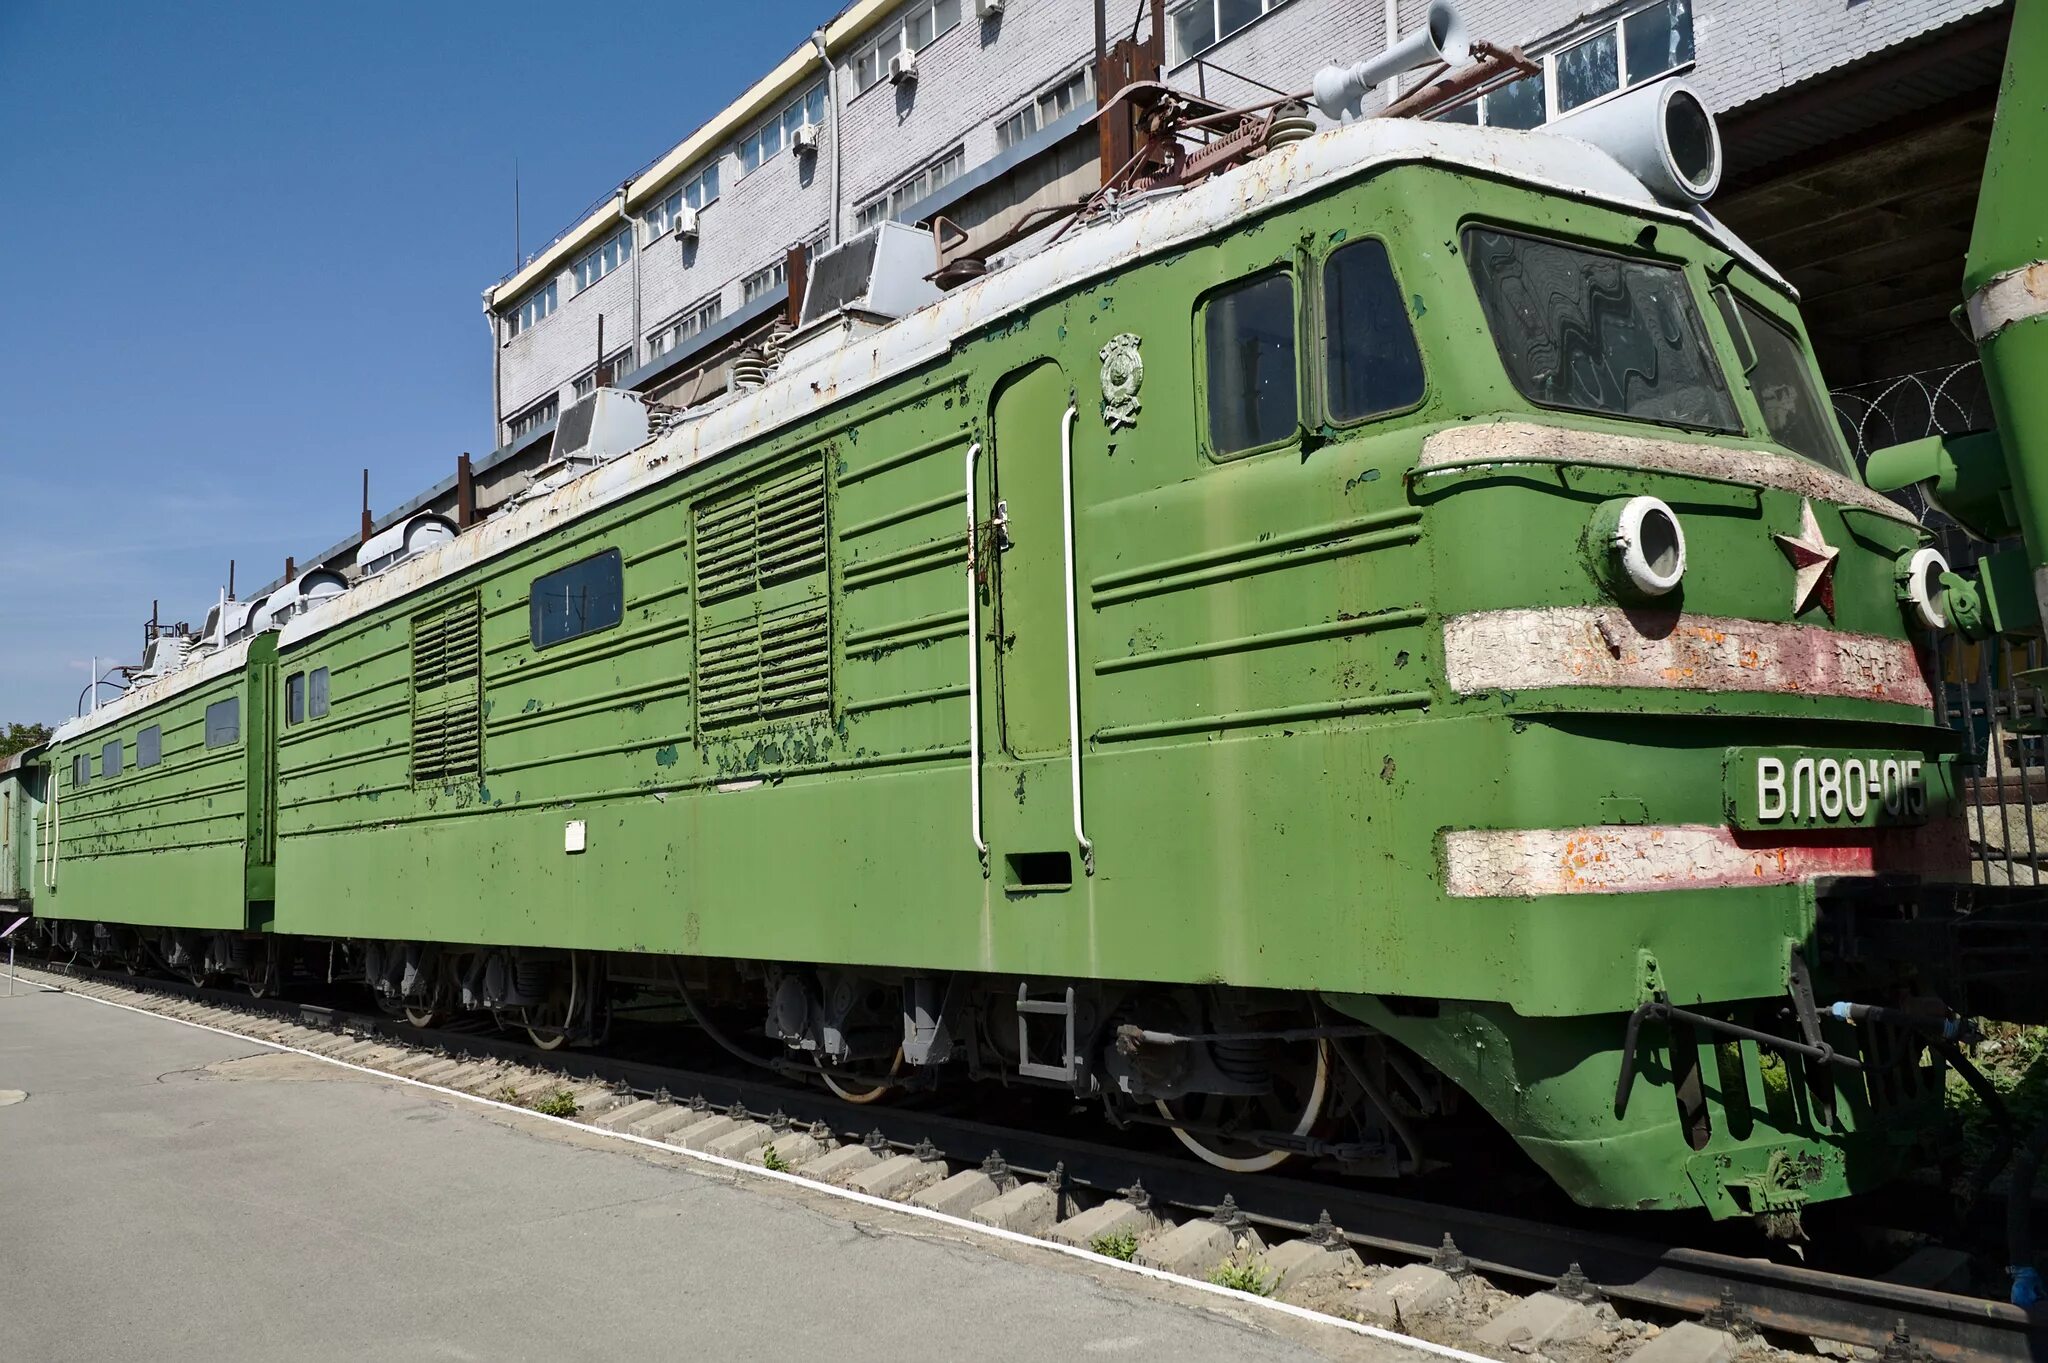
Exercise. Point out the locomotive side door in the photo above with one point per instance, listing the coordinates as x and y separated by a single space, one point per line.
1022 561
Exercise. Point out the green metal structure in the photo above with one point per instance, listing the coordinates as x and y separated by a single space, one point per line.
1388 630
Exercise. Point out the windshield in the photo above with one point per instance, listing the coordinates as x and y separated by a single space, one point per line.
1594 332
1782 380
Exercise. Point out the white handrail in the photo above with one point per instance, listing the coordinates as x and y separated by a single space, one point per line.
54 826
1073 640
974 668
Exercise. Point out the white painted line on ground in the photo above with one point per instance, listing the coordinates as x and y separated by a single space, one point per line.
1236 1298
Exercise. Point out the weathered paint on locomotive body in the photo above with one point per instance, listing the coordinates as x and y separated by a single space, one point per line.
175 831
1308 675
21 808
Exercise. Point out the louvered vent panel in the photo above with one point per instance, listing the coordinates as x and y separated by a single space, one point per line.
766 666
729 674
725 548
790 516
796 660
447 672
772 532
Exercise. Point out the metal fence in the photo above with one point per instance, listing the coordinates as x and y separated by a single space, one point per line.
1978 690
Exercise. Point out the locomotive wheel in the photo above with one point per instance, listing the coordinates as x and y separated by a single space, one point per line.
1300 1087
544 1026
852 1091
423 1017
262 981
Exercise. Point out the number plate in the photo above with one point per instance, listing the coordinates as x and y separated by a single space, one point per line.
1835 788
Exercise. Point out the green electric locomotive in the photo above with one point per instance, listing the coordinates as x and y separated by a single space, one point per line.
1381 637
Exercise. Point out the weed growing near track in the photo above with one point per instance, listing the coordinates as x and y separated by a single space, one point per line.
1117 1245
773 1161
560 1103
1242 1277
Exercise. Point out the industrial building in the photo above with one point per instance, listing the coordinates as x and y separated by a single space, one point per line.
1854 133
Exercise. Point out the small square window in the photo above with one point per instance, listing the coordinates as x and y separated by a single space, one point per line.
224 722
149 746
295 698
110 759
316 694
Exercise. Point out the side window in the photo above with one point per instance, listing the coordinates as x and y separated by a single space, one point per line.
149 746
81 770
1782 377
224 722
110 759
580 599
316 694
1248 349
1371 365
295 698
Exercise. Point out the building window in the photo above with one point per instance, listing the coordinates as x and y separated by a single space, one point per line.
110 759
695 322
1641 45
537 305
316 694
620 365
1049 108
775 134
897 202
535 417
1248 346
224 722
601 260
580 599
81 770
1201 24
912 30
699 190
149 746
295 698
765 280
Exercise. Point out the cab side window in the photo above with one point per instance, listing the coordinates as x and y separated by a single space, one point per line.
1371 364
1248 347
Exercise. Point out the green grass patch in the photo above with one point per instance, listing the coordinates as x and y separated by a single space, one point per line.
1116 1245
560 1103
1242 1277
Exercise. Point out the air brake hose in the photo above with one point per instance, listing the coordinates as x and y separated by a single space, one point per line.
723 1042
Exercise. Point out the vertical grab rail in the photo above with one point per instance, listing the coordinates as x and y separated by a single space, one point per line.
1073 640
974 667
53 826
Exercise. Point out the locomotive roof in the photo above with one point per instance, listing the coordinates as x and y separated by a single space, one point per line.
1546 161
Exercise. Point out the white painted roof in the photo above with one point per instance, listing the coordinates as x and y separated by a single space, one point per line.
1544 161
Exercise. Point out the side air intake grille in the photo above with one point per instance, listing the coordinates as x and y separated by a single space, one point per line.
447 692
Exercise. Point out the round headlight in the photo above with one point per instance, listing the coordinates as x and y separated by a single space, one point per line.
1918 576
1638 547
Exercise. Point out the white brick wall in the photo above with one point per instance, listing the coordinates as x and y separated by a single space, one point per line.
979 73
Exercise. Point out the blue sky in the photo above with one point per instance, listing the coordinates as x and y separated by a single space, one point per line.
248 244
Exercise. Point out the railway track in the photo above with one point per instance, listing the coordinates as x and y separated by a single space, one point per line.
1743 1296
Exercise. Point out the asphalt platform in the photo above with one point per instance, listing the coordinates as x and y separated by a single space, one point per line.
170 1193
